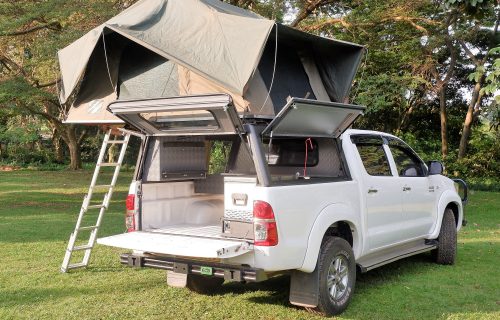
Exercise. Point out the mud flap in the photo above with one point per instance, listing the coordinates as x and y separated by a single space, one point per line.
304 288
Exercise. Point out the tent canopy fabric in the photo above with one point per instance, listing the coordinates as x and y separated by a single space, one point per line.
161 48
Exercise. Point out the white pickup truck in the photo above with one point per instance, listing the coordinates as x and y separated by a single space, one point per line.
219 197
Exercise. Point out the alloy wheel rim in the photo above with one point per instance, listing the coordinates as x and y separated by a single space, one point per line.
338 277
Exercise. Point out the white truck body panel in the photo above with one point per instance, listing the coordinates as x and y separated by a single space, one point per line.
385 213
301 207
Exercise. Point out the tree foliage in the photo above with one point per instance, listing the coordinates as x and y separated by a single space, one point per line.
31 33
431 72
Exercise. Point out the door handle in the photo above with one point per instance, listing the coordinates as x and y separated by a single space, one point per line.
371 190
406 188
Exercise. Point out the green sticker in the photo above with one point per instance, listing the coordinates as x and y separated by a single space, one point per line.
206 271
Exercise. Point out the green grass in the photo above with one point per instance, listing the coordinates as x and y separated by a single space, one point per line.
38 211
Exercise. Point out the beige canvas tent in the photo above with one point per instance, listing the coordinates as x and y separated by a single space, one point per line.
165 48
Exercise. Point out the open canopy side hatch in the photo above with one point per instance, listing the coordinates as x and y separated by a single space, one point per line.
311 118
188 115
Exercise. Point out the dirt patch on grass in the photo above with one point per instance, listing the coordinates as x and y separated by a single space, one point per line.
9 168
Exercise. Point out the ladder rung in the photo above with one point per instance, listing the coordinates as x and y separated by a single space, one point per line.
116 141
109 164
103 186
84 247
76 265
97 206
88 228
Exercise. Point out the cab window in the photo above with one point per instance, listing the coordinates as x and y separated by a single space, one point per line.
408 164
371 151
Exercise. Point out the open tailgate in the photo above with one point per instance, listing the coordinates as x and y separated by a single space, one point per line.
177 245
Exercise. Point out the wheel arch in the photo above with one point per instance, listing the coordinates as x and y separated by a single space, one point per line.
342 229
448 200
456 211
335 220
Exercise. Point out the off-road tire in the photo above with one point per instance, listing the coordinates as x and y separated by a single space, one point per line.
203 284
446 251
331 249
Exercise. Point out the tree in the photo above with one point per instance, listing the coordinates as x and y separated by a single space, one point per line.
477 32
33 32
414 51
414 79
396 77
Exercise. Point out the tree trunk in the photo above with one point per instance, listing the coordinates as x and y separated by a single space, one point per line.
69 136
59 150
112 153
444 122
464 140
466 131
75 155
404 120
58 147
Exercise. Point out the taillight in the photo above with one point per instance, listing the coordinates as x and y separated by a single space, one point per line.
265 229
130 202
130 213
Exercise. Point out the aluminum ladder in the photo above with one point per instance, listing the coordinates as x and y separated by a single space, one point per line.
86 206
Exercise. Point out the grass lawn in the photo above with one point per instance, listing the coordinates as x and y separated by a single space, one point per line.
38 211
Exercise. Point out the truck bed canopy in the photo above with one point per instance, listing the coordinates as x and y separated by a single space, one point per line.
165 48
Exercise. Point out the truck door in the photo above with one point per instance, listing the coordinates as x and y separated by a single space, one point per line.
381 191
416 189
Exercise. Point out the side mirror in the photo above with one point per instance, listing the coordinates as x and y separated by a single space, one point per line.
435 167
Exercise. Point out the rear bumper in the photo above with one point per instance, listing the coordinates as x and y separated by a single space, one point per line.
185 266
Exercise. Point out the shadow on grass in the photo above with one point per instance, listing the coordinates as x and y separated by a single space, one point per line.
277 288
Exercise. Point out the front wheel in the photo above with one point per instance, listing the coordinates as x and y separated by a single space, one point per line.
337 276
446 251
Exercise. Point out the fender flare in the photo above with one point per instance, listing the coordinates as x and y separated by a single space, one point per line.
329 215
446 198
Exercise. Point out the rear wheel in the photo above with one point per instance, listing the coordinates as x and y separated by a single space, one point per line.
337 276
447 241
203 284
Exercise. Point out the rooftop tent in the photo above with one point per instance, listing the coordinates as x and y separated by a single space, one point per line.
160 48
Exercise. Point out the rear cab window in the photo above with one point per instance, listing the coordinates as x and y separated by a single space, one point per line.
372 153
303 159
293 153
